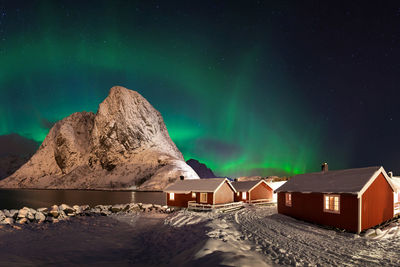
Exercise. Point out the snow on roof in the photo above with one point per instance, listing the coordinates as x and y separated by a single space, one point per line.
245 186
196 185
276 185
340 181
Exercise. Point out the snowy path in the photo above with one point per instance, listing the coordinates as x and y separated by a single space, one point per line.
289 241
281 240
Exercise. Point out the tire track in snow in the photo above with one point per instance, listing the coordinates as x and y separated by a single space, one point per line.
289 241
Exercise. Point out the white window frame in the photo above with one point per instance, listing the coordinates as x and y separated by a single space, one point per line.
288 199
193 194
171 196
202 199
244 195
326 197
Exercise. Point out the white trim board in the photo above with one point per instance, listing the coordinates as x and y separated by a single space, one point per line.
359 215
372 179
261 181
229 183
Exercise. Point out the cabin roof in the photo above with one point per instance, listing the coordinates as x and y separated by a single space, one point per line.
245 186
197 185
353 181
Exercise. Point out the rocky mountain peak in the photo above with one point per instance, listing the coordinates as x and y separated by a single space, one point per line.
201 169
127 122
124 145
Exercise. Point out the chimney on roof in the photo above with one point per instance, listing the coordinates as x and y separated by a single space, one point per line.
324 167
390 174
182 177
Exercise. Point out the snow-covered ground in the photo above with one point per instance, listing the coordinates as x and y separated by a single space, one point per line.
261 237
253 236
225 239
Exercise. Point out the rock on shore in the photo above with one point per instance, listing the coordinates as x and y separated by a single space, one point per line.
124 145
57 213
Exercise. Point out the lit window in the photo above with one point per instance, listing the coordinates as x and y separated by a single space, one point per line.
171 196
203 197
332 203
238 193
244 195
288 199
193 195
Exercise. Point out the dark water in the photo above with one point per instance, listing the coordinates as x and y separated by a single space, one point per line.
18 198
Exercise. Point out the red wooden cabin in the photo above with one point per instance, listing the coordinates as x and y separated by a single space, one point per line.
252 191
352 199
203 191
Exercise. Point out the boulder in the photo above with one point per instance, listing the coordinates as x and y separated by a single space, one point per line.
30 216
163 209
77 209
147 206
54 211
62 215
66 209
125 207
43 210
133 207
2 216
23 213
8 220
7 213
95 210
22 220
32 211
117 208
40 217
13 214
85 207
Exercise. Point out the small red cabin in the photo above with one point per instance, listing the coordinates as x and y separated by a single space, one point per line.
203 191
352 199
252 191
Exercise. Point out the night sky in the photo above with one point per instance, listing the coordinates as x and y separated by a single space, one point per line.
249 88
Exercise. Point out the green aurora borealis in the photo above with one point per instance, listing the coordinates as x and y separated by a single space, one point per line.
226 94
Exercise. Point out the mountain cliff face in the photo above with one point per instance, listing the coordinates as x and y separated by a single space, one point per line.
201 169
124 145
15 151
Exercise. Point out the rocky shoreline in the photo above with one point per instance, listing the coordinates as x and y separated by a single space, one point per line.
57 213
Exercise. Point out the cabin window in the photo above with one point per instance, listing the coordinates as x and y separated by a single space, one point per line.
193 195
244 195
288 199
238 193
332 203
203 197
171 196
